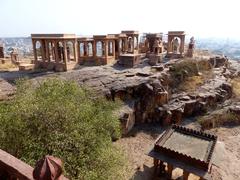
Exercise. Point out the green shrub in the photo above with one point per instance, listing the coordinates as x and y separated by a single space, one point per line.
60 118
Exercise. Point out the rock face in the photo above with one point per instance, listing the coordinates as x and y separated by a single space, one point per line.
6 89
127 117
186 105
148 95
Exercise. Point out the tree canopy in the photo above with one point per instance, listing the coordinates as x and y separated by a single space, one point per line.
60 118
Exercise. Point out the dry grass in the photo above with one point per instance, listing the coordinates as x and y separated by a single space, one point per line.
218 119
200 71
7 66
203 65
191 83
236 86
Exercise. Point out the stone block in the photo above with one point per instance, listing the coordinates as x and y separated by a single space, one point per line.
129 60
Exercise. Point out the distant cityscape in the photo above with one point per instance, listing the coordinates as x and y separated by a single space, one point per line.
227 47
22 44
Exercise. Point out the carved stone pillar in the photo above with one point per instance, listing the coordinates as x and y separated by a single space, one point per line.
65 52
78 50
34 50
113 49
169 49
155 163
75 50
94 49
125 45
43 50
56 51
182 45
53 50
47 50
169 170
185 175
106 48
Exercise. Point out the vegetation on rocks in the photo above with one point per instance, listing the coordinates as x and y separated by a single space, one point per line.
236 86
188 68
218 119
60 118
191 83
6 66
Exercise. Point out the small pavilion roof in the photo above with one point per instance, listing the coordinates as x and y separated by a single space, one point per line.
176 33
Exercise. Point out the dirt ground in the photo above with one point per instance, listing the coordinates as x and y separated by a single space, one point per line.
226 157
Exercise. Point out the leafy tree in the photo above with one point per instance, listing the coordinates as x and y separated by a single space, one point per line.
60 118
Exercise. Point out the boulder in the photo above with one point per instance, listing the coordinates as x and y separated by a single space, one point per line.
126 116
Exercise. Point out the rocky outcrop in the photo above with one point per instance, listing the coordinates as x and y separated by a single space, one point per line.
6 90
148 92
126 116
228 114
218 61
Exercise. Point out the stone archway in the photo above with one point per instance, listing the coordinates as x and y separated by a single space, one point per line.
38 47
176 45
81 46
90 48
130 44
110 48
70 50
135 42
60 51
99 49
50 50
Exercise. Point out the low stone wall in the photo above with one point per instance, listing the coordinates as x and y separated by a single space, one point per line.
59 67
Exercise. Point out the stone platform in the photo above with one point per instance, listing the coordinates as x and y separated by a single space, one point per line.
25 67
154 59
129 60
174 55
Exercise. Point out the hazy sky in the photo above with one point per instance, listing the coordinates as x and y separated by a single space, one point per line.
208 18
